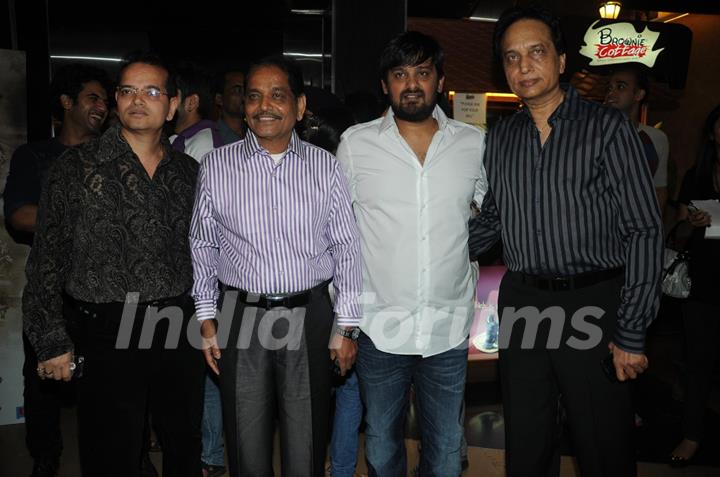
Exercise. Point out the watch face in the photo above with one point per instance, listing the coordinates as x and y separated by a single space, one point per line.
355 333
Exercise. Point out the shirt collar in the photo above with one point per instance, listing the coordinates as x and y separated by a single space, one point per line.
443 122
197 127
251 146
112 145
570 108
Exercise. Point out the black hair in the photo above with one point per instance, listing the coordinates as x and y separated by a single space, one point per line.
411 48
153 59
708 159
218 84
287 66
639 72
531 12
193 80
325 127
70 80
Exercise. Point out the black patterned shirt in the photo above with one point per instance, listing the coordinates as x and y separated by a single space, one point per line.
106 229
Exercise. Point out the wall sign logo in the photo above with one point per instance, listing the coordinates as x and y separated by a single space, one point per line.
620 43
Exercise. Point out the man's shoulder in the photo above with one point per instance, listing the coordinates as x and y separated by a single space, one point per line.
656 135
40 150
466 129
363 130
185 160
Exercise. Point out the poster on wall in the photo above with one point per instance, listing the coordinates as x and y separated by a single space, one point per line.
470 108
13 132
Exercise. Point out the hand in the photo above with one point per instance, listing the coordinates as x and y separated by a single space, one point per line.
56 368
699 218
627 365
344 350
210 348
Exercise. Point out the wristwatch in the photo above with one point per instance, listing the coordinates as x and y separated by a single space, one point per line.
350 333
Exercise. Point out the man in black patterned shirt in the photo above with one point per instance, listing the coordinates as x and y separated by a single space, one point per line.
572 197
80 101
112 230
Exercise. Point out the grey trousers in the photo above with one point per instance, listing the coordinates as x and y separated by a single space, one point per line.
276 369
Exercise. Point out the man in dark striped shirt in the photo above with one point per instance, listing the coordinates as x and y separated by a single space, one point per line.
572 199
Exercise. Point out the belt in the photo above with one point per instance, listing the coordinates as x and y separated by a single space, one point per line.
116 307
274 300
564 283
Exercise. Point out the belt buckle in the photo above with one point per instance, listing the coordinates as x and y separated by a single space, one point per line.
560 284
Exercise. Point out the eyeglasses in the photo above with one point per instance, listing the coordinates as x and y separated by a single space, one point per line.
151 92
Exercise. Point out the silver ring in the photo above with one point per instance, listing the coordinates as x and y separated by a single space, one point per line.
73 366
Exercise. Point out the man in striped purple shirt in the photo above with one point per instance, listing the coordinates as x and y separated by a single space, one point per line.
272 225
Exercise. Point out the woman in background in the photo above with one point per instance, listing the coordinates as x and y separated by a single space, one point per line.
701 313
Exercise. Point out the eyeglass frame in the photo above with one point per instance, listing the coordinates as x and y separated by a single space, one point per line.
135 91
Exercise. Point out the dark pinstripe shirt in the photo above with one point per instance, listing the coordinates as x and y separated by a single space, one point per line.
582 202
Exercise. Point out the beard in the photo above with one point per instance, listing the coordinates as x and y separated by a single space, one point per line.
415 112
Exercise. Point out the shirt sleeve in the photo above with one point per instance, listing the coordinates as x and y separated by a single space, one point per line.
23 181
484 229
344 239
49 263
662 148
205 249
640 229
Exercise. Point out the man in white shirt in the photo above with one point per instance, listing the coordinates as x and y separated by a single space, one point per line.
628 89
195 134
413 175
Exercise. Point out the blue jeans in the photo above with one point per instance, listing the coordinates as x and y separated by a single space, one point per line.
348 414
213 447
439 386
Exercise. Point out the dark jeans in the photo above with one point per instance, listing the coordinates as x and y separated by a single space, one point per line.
120 385
263 381
43 399
702 331
439 392
534 379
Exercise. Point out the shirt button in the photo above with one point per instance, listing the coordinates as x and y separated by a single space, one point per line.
281 272
275 209
277 240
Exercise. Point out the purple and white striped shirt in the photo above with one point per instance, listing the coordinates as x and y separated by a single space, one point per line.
269 228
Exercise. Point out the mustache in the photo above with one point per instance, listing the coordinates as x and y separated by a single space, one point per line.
266 114
419 92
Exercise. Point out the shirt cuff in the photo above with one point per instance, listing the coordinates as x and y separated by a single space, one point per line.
632 341
349 321
205 309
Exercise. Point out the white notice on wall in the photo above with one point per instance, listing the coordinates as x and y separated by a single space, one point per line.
470 108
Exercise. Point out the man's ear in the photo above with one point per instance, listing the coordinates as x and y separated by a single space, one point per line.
192 103
301 105
218 100
640 95
384 86
66 102
173 107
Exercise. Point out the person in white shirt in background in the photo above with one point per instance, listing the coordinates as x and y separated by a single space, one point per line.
195 134
413 175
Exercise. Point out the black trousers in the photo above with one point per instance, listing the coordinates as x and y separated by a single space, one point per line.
276 368
43 399
702 331
534 379
120 384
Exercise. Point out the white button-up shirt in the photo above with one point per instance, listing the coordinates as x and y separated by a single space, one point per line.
418 280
